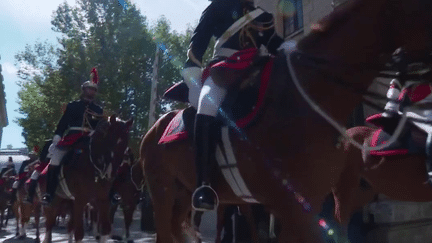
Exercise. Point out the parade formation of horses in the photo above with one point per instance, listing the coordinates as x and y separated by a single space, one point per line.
288 160
88 174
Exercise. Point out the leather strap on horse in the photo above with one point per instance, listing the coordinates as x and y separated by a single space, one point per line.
142 182
334 123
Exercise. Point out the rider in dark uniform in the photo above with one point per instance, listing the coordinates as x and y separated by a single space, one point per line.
216 19
79 118
43 162
9 170
22 173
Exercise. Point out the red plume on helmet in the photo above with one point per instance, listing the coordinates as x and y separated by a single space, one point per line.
94 77
94 80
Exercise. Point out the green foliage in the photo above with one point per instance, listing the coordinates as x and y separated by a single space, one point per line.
120 44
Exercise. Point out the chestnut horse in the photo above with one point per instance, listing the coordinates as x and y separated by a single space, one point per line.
89 175
129 184
24 211
5 196
400 177
288 160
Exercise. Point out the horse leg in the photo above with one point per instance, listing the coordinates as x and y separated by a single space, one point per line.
103 207
94 222
128 217
78 211
1 218
17 217
26 211
50 217
37 219
220 221
181 212
246 210
70 229
163 202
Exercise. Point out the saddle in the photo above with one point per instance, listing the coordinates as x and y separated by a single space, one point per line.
419 123
245 74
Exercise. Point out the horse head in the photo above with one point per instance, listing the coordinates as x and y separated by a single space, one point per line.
109 142
362 35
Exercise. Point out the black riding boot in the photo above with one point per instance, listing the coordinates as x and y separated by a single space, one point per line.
52 181
204 197
31 192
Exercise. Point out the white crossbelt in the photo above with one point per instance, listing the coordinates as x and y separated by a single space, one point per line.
234 28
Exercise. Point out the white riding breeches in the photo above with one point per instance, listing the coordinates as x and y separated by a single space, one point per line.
57 156
35 175
15 185
211 98
192 77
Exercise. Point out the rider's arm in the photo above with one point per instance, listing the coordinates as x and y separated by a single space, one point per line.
63 124
202 34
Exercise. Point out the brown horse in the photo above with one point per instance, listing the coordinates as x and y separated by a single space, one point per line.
288 160
130 184
24 211
89 175
5 196
400 177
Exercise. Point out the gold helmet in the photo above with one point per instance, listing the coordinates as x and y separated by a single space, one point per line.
93 82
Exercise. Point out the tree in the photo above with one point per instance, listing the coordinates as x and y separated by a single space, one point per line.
119 43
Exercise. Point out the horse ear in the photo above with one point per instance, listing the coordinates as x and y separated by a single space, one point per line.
129 123
113 119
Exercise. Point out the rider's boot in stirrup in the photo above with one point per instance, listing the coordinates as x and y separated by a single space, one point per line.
31 192
52 181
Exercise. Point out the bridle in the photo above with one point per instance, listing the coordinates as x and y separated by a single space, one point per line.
303 59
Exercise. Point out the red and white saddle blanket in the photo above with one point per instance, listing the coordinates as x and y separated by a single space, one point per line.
182 124
416 101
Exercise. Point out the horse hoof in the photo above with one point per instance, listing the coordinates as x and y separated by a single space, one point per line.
22 237
97 237
117 238
37 240
130 241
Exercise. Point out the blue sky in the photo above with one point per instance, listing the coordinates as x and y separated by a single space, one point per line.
26 21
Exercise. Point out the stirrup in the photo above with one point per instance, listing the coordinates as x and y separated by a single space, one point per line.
206 206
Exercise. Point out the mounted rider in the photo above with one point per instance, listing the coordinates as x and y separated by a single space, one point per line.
43 162
402 97
23 171
80 119
9 169
228 21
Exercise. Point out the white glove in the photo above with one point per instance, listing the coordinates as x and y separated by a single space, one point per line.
192 77
288 47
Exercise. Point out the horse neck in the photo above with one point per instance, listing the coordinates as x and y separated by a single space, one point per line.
283 100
